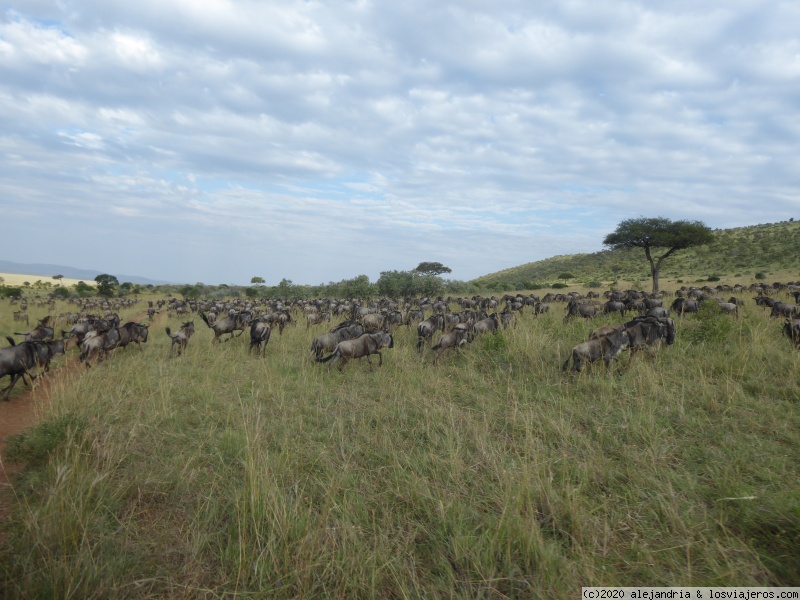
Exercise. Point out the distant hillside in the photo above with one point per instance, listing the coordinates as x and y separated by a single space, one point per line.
741 251
46 270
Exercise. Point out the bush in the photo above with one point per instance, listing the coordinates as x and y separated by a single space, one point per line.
558 285
11 292
712 324
761 275
712 278
594 284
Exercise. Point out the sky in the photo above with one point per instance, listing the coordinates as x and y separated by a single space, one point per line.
218 140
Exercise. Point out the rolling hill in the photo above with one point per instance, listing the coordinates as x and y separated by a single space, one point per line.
767 248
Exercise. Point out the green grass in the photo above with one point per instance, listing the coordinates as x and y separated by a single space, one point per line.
736 254
223 475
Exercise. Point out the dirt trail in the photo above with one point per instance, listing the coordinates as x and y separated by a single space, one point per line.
22 412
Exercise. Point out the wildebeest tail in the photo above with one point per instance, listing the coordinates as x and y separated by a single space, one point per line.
436 347
566 363
169 333
205 318
326 359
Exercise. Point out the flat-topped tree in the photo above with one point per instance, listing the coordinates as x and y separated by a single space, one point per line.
658 233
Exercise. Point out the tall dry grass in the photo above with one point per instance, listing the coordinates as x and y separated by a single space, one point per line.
223 474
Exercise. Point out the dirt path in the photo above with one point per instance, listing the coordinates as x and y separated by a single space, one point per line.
22 412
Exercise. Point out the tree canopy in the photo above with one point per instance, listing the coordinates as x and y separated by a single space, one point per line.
106 285
658 232
257 279
432 268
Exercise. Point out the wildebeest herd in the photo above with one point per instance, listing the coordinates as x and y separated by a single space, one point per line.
365 328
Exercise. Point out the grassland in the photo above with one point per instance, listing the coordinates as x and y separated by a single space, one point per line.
17 280
220 474
736 254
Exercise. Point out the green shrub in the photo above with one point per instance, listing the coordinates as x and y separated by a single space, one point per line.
594 284
558 285
712 325
761 275
713 278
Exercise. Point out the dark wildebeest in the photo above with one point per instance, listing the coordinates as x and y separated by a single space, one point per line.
606 347
783 309
181 337
614 306
327 342
426 329
454 339
791 329
579 309
658 312
133 333
413 316
18 360
508 318
540 308
684 305
259 334
365 345
644 332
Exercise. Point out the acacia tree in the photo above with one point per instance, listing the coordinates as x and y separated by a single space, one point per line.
432 268
106 285
660 232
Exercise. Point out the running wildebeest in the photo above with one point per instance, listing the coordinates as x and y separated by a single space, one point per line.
181 337
488 325
606 347
454 339
40 332
133 333
18 360
230 324
327 342
99 344
259 334
365 345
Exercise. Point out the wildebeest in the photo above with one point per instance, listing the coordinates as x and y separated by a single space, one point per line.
372 322
783 309
181 337
614 306
488 325
606 347
133 333
230 324
364 345
644 332
40 332
259 334
791 329
327 342
579 309
729 308
316 318
426 329
684 305
18 360
508 318
99 344
454 339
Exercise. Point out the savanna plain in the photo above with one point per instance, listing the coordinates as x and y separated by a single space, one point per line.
222 474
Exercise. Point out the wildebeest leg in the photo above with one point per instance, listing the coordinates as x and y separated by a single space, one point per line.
341 364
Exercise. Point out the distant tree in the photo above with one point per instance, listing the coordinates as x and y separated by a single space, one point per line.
257 280
58 278
11 292
83 289
616 270
659 232
106 285
61 292
432 268
2 281
566 276
251 292
188 291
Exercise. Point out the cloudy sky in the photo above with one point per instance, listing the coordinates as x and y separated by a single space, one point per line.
217 140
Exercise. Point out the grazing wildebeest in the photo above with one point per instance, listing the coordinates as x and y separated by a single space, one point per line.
508 318
783 309
488 325
614 306
684 305
315 318
604 331
365 345
259 334
426 329
327 342
644 332
579 309
729 308
606 347
181 337
540 308
413 316
658 312
454 339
